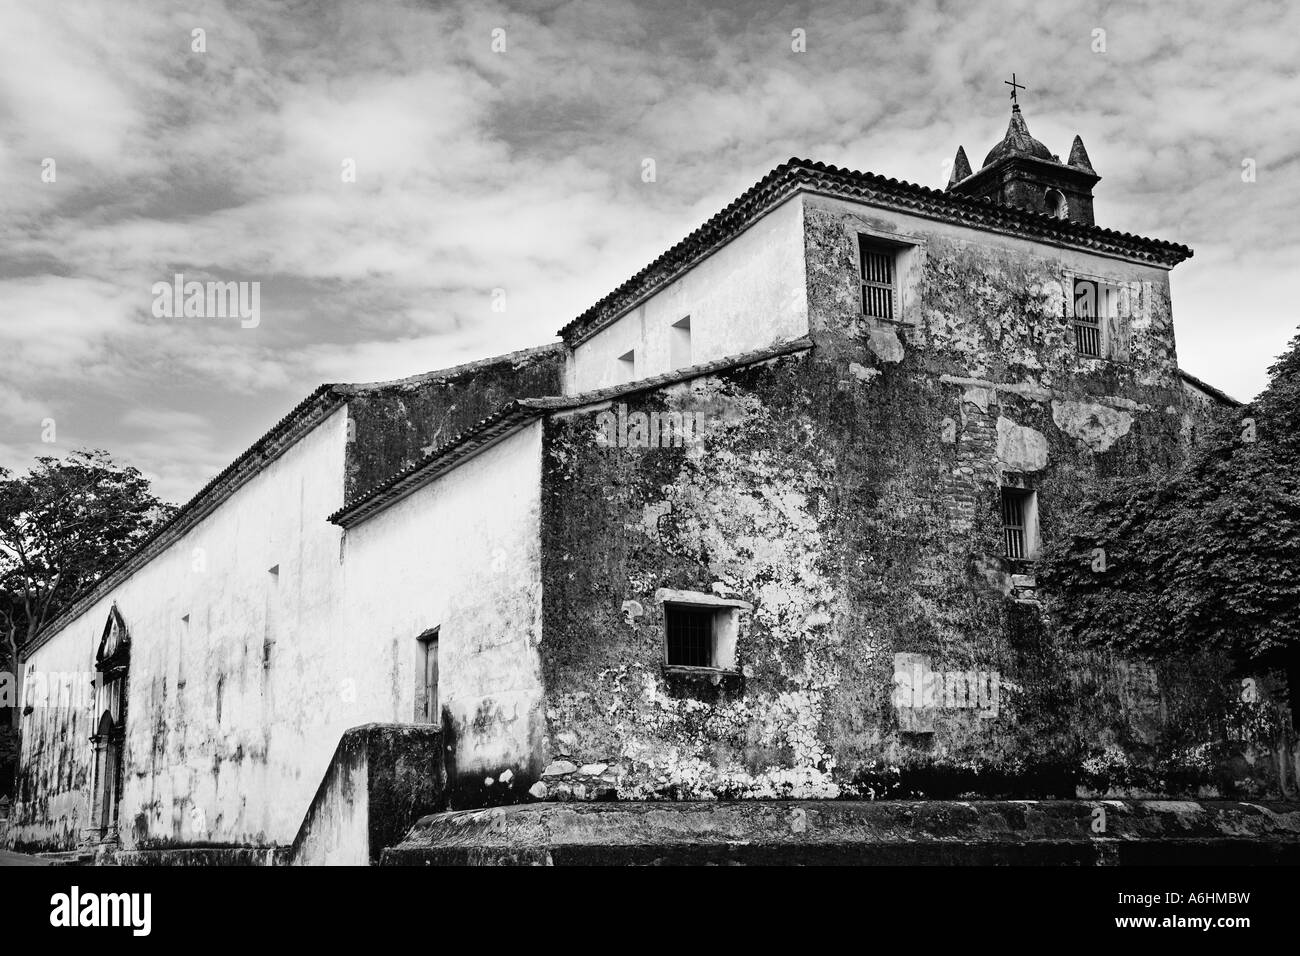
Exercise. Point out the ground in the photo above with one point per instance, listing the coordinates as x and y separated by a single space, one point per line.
20 859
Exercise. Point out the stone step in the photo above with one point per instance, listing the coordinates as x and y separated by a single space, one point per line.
80 857
935 832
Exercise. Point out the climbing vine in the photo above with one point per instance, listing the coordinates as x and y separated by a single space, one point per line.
1204 557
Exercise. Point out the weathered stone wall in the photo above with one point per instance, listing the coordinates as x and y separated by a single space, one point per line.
746 508
857 833
852 496
1024 183
8 759
394 424
9 742
1202 410
8 732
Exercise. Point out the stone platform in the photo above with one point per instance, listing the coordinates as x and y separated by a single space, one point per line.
946 833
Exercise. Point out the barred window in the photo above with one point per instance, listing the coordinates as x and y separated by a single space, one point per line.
690 635
879 292
1019 523
1095 304
1087 336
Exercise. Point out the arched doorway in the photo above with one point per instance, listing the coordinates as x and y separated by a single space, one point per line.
111 665
106 763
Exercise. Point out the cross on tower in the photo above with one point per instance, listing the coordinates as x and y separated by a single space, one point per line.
1014 86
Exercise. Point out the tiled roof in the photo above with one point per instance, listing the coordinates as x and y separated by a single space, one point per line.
516 359
504 421
1209 389
802 175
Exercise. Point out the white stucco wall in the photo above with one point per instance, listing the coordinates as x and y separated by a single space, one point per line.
747 295
233 717
462 555
338 835
54 736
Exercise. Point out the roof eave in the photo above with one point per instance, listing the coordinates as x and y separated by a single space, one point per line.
1210 389
800 175
300 420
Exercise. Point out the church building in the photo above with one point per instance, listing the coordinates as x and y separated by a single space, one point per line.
761 526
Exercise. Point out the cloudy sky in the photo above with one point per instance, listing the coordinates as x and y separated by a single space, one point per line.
520 170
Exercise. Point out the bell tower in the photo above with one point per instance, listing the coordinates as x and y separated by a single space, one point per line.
1020 171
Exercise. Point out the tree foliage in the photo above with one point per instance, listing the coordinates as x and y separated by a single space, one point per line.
1204 557
63 526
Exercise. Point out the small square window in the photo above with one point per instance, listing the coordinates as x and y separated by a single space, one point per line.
700 630
689 635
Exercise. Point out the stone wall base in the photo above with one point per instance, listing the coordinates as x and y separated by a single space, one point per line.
946 833
202 856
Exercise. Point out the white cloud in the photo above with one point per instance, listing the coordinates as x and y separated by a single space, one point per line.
478 170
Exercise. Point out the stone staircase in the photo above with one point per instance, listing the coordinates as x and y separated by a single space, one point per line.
381 779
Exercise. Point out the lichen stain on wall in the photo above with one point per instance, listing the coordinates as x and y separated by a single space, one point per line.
851 494
738 514
1096 426
53 784
490 713
394 424
990 322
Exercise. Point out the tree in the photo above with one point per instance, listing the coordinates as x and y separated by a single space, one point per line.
1204 557
63 526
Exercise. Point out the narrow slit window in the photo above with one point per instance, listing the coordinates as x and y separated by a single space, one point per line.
680 343
879 291
627 366
426 678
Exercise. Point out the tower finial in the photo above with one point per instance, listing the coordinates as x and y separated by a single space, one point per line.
960 168
1014 86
